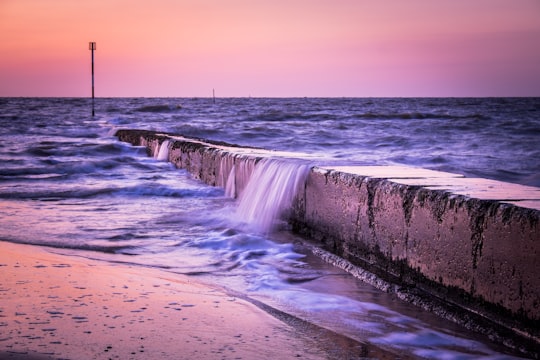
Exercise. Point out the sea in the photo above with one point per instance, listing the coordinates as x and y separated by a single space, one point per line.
66 182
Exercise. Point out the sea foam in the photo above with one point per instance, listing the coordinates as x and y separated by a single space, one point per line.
270 192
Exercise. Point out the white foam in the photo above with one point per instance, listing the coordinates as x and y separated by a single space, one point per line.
163 152
270 192
230 188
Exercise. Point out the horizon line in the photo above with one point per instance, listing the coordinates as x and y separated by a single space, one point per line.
271 97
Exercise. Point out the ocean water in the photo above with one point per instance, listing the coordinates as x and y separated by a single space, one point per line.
68 183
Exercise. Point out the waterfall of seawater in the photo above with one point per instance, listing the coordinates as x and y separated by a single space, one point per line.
270 192
230 189
234 173
163 153
269 186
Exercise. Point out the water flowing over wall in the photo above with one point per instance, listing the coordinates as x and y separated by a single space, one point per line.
270 192
472 242
162 151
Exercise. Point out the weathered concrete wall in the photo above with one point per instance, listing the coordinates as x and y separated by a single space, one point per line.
210 162
475 242
480 253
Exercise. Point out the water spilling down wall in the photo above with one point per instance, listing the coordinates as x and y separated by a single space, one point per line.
472 242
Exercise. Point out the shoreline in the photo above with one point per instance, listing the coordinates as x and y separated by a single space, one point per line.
56 306
467 241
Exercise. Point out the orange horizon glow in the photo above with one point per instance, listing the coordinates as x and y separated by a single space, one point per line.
271 48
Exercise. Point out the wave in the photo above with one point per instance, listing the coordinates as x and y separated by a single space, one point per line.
81 192
166 191
158 108
73 148
102 247
52 167
285 116
280 115
30 175
418 116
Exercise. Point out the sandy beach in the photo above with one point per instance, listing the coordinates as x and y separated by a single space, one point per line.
55 306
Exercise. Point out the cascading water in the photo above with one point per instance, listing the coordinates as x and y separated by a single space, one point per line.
270 192
230 189
234 173
227 174
265 189
163 153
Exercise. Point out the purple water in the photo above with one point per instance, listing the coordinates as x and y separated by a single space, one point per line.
494 138
68 183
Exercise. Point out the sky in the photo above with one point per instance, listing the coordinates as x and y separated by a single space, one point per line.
274 48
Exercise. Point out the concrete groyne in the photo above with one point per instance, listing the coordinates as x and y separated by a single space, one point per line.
473 243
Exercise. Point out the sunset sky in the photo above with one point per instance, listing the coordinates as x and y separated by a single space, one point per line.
274 48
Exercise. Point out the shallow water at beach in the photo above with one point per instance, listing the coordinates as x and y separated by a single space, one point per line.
68 183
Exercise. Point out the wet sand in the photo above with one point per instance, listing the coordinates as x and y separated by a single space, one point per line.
57 306
63 307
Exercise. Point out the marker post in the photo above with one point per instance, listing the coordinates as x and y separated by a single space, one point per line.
92 46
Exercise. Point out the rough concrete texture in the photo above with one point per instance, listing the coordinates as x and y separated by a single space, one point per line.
482 253
474 242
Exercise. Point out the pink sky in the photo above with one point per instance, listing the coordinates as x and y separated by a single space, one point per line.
270 48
